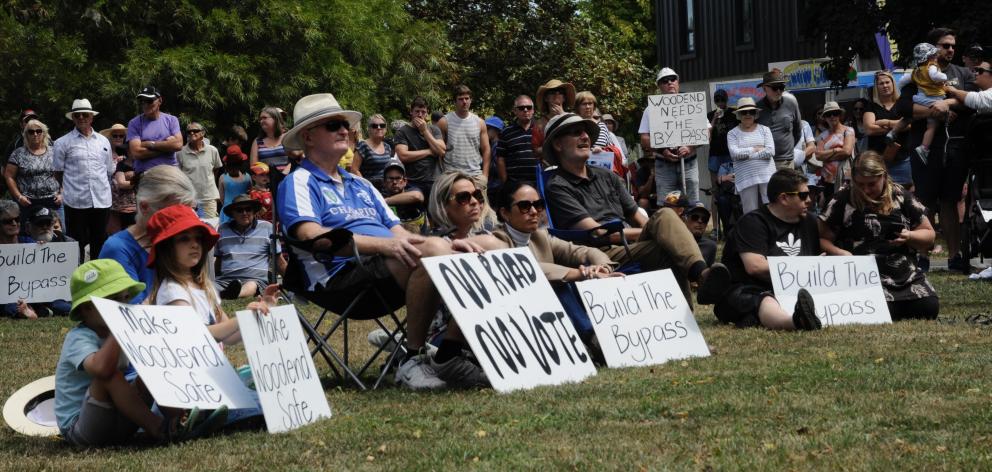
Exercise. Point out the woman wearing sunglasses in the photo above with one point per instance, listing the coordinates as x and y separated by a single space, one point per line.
752 150
833 147
373 153
29 173
458 209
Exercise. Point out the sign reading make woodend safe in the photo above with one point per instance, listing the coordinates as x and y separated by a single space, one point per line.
511 318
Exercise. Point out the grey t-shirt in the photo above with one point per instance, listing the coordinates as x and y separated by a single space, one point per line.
601 197
785 123
423 170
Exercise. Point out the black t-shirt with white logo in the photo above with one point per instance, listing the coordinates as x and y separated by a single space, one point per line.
761 232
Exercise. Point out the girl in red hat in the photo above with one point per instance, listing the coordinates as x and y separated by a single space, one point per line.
180 242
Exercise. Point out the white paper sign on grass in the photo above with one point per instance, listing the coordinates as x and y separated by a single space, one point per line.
175 355
37 272
845 289
678 119
285 378
511 318
642 319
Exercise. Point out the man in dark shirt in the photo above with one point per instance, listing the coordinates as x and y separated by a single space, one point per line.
696 216
781 228
514 150
406 200
585 197
420 147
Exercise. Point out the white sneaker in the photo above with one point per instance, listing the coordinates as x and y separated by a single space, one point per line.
380 337
459 372
417 374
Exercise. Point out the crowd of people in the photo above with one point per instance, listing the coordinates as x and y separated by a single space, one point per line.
192 226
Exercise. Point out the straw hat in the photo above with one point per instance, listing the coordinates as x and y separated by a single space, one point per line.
31 409
556 84
311 109
744 103
772 77
109 131
81 105
831 106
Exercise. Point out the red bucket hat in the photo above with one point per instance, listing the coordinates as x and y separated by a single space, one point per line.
234 154
173 220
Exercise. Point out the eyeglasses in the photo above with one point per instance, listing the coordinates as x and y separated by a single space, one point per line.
801 195
667 80
464 198
982 70
191 131
11 221
946 45
776 87
332 126
377 126
748 112
525 205
697 217
35 131
524 107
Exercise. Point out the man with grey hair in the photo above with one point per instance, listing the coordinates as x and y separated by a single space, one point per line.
10 217
674 168
200 162
780 113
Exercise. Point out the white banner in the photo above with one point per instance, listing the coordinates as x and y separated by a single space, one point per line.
602 159
642 319
845 289
511 318
37 272
175 356
678 119
285 378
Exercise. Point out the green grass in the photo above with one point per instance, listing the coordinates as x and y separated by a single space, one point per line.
909 396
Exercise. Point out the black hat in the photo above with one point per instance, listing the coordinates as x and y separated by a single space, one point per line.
240 201
149 92
40 214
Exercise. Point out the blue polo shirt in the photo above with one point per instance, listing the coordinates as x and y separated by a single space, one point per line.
309 194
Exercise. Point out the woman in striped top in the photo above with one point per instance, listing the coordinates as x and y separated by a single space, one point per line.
268 145
372 154
752 150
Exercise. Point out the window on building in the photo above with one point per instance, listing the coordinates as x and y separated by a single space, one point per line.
688 36
744 21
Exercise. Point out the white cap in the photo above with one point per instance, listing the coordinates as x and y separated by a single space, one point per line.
666 72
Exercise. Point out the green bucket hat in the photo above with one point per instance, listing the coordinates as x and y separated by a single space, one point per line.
99 278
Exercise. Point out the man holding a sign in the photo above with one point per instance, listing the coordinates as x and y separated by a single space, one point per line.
671 135
781 228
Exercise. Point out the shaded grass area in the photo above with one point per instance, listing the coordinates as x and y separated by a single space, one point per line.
913 395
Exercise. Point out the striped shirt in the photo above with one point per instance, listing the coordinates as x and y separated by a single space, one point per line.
517 152
464 144
244 255
751 167
308 194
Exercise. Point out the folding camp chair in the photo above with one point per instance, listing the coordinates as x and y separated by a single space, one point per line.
367 303
976 232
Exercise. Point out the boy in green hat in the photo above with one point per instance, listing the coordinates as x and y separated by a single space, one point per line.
94 404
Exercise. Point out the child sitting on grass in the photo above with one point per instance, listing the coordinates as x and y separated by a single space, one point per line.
180 242
95 405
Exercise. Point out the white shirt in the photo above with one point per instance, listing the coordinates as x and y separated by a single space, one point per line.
170 291
87 165
751 167
979 101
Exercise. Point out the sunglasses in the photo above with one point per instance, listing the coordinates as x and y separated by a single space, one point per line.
524 107
776 87
982 70
748 112
332 126
35 131
145 101
11 221
464 198
191 131
525 205
831 114
77 116
377 126
667 80
118 136
697 217
947 45
801 195
243 209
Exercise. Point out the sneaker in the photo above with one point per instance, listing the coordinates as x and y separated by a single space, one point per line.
380 338
804 316
417 374
923 153
713 284
923 262
211 424
459 372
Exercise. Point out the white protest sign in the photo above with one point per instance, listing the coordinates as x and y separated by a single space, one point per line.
845 289
511 318
678 119
175 356
642 319
285 378
602 159
37 272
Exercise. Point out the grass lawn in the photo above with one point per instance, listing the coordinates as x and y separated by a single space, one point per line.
909 396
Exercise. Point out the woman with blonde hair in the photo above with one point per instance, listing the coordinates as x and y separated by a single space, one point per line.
373 153
834 147
875 216
458 208
29 173
585 106
880 118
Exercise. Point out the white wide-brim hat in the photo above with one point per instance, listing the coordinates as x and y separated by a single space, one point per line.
31 409
81 105
313 108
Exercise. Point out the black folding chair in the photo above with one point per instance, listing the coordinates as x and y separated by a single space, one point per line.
364 304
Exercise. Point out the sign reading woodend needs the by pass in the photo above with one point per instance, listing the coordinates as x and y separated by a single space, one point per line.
511 318
678 119
845 289
285 378
642 319
37 272
175 356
